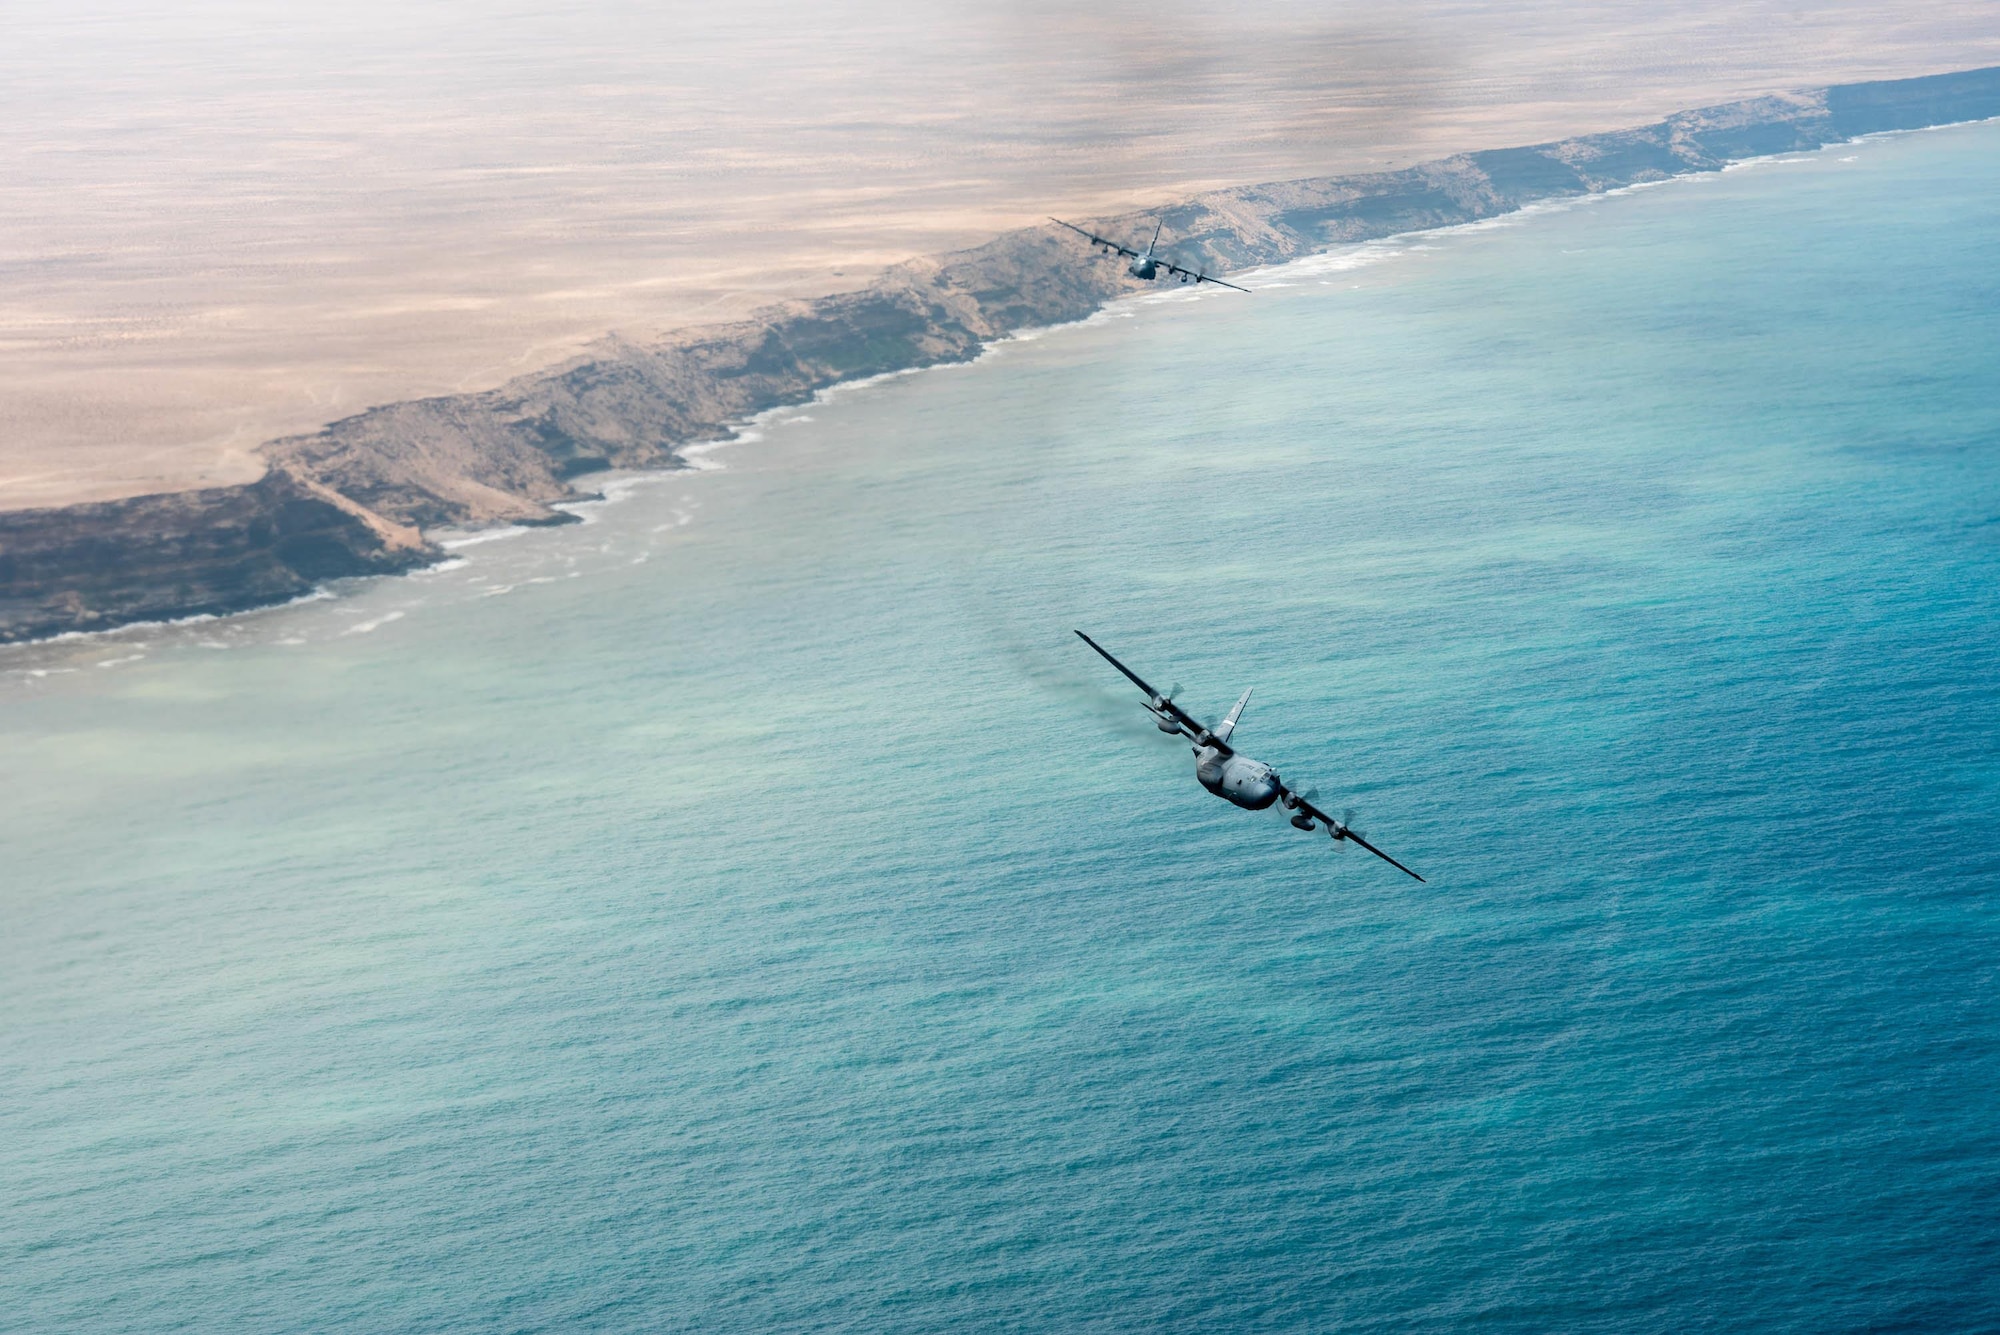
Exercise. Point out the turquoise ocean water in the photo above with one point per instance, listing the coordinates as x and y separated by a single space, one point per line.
753 910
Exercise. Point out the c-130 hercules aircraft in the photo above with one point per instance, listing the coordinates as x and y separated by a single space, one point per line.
1231 776
1147 265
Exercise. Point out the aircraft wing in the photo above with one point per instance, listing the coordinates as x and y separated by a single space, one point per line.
1340 831
1198 277
1097 240
1156 702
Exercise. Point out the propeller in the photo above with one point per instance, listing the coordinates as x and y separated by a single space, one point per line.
1345 831
1300 820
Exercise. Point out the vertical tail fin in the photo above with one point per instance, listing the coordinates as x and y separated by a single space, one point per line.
1223 729
1156 235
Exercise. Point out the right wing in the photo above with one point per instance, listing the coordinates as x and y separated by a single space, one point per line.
1339 831
1198 276
1156 702
1097 240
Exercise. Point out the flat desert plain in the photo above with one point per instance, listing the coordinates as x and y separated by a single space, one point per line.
220 224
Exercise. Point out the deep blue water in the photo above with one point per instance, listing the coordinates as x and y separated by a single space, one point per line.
754 910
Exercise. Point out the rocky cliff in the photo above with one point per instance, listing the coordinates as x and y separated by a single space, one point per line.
357 497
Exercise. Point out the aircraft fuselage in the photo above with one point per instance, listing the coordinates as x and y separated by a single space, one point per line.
1143 267
1250 784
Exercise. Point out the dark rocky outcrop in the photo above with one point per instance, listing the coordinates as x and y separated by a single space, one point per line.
225 549
355 497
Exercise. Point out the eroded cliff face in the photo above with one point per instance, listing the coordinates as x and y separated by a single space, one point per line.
357 497
505 455
226 549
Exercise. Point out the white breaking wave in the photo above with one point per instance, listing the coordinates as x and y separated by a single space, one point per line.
616 487
490 535
198 619
375 623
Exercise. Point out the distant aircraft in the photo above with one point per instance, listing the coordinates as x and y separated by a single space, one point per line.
1233 777
1147 265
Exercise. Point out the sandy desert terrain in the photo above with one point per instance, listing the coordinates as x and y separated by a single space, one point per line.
218 226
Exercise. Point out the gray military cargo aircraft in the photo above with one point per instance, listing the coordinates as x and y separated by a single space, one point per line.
1232 776
1146 264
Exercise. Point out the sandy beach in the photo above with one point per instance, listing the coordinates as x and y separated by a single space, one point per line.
221 228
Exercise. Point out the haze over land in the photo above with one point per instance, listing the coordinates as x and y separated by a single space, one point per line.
221 226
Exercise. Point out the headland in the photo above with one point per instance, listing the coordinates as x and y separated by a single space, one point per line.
365 494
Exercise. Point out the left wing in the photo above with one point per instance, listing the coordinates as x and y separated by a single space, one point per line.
1097 240
1198 277
1297 802
1162 705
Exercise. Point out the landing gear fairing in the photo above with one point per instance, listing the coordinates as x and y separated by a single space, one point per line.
1233 776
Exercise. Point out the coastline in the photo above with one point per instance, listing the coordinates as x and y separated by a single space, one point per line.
368 494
